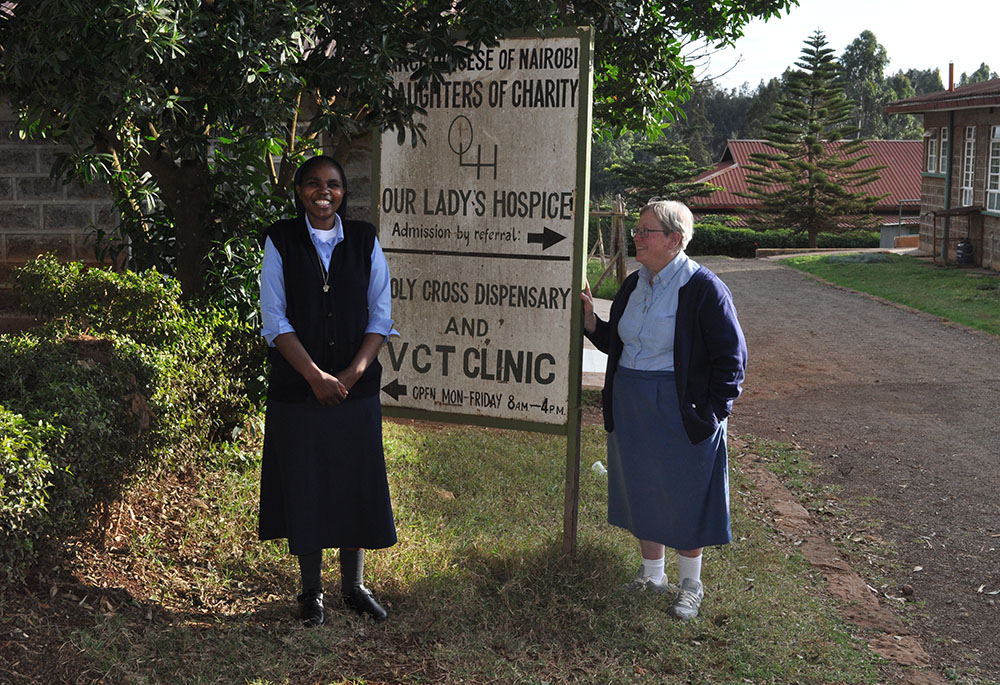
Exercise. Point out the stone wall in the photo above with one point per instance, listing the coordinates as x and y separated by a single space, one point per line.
39 215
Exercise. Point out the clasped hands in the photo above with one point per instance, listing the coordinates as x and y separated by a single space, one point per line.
331 390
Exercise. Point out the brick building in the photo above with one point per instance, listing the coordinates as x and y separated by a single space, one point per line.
38 215
960 178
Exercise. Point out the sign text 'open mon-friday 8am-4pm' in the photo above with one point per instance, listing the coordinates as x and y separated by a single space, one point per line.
478 226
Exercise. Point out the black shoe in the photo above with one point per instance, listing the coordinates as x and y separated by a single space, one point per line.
361 600
311 609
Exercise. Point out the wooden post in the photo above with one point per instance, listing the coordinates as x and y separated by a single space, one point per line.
600 243
620 246
571 503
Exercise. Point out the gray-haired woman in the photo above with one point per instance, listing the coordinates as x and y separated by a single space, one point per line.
676 361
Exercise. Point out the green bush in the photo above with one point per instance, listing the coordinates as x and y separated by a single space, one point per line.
145 307
25 472
719 239
848 240
713 239
716 239
130 378
108 398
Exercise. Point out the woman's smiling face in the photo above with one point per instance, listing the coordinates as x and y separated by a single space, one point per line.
659 247
321 192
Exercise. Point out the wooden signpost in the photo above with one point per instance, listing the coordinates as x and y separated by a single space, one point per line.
484 228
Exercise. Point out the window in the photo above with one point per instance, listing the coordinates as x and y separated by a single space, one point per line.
968 166
944 152
993 171
931 151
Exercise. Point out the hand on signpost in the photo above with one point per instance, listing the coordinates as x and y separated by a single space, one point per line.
589 318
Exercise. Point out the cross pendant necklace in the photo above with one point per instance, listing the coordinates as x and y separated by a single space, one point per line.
325 273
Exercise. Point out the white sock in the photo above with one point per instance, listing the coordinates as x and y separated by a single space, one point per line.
689 567
653 569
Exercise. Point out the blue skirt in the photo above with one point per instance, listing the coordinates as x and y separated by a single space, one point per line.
323 482
661 488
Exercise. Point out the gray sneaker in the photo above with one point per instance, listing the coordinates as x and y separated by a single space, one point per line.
688 600
643 584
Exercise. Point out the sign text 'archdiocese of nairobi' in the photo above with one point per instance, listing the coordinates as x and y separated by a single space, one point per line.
478 226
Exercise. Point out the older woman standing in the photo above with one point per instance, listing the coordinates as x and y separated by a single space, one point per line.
326 312
676 361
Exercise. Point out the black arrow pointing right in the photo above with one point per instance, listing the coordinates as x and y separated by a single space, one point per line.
547 238
394 389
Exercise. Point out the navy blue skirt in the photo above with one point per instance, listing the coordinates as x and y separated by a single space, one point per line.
322 479
661 488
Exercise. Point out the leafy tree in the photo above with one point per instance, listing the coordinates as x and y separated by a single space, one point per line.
814 180
196 112
900 126
696 131
659 168
925 81
727 111
605 153
864 62
763 106
713 116
980 75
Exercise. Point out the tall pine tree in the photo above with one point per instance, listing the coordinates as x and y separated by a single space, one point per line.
814 180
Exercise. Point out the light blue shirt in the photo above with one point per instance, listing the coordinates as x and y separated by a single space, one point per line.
273 302
647 324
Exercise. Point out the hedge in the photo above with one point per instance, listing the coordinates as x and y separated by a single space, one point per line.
718 239
25 483
124 378
713 239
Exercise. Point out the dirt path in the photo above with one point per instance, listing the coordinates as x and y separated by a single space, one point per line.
900 411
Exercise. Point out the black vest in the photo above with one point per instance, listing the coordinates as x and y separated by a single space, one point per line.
330 325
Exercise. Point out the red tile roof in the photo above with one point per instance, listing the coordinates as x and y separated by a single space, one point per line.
985 94
901 179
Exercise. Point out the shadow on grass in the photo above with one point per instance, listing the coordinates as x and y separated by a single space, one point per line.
478 591
535 616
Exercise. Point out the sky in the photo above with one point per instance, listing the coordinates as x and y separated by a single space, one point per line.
917 34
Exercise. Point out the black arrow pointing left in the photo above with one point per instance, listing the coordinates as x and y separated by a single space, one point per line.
394 389
547 238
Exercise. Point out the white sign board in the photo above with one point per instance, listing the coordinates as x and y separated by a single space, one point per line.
479 227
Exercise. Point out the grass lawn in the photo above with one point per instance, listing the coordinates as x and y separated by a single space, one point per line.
608 287
477 587
960 295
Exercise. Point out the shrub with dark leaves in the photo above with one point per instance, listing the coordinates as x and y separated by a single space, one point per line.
127 378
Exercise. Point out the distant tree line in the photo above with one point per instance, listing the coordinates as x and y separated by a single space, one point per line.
715 115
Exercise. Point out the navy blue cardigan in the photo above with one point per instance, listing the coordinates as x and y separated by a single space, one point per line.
710 352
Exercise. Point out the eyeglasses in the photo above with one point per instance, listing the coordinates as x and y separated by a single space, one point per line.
644 232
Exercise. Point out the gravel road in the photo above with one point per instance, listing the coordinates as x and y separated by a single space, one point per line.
900 411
